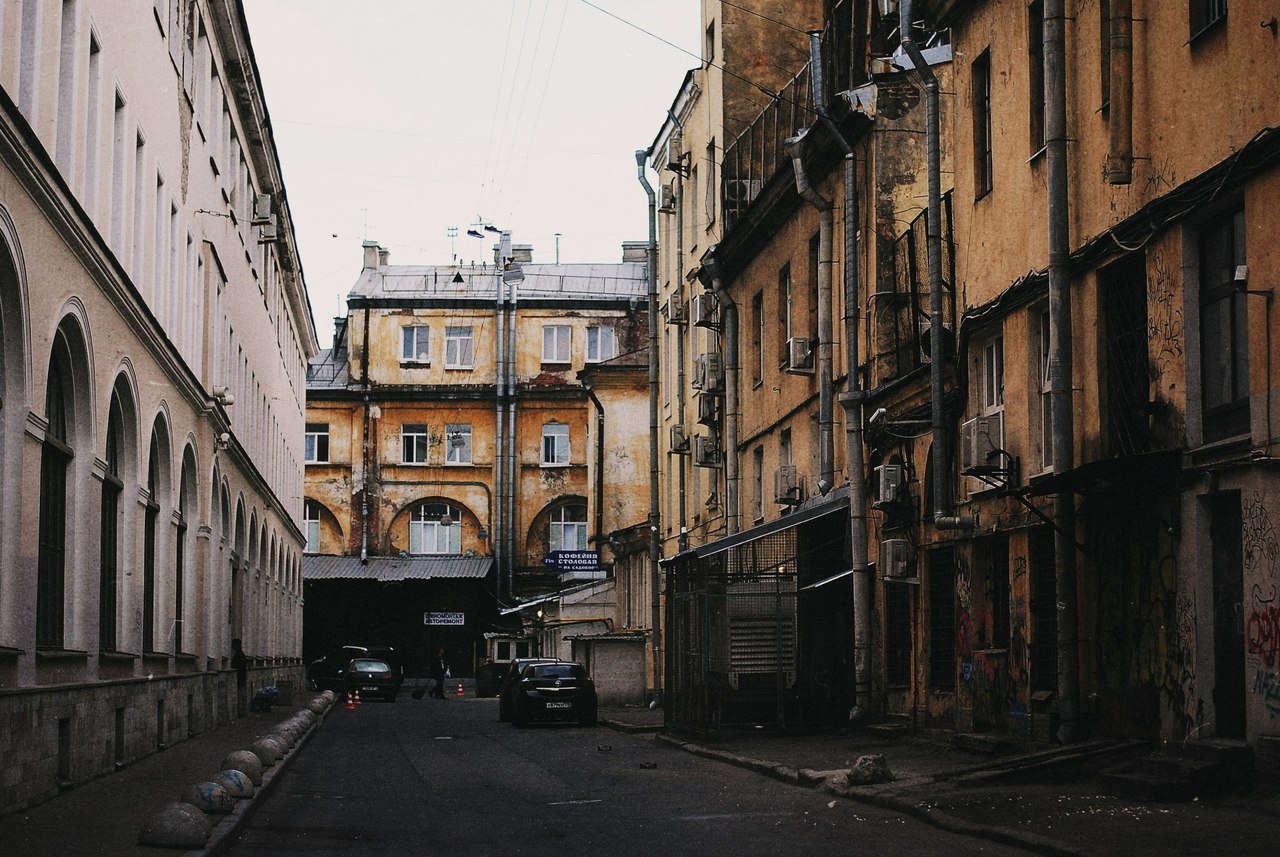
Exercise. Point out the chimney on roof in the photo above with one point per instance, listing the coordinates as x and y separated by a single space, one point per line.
370 255
635 251
384 256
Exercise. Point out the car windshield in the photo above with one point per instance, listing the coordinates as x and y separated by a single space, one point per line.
367 666
555 671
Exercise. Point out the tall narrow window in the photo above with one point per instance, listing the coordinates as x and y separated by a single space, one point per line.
435 528
993 375
815 244
555 444
568 528
68 57
784 313
1045 400
93 129
149 536
1035 73
1224 329
119 168
109 543
414 443
139 210
710 179
459 348
457 443
415 344
601 344
180 562
556 339
757 483
311 525
757 338
55 461
980 83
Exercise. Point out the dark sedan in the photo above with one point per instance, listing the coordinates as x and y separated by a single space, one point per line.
554 691
507 692
372 678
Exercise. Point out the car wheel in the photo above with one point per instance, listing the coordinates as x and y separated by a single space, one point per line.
504 710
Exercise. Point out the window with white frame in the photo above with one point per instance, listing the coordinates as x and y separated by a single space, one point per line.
435 528
459 348
555 343
1224 328
601 344
993 375
414 443
568 528
457 443
1046 413
415 344
316 445
555 444
311 525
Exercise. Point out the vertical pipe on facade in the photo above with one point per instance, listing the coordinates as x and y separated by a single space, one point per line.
826 219
826 286
682 542
733 414
933 244
655 548
851 400
599 499
1120 108
1060 367
512 300
364 463
499 456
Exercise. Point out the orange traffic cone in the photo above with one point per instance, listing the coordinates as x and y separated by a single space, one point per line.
459 688
351 701
357 693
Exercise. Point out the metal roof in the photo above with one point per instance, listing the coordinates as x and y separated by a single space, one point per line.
393 568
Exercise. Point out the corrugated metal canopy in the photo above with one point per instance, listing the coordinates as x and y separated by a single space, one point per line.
392 568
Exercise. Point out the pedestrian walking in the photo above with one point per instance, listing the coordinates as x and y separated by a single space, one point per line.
438 670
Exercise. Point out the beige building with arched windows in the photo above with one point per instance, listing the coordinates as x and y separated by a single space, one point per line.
154 333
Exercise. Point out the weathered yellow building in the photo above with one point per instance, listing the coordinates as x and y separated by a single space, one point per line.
482 422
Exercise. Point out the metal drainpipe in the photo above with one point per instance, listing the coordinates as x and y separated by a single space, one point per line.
1060 369
851 400
512 391
732 415
682 540
599 461
1120 109
499 459
364 494
933 242
826 218
655 547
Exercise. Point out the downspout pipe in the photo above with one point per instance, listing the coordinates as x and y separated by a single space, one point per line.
733 411
851 401
599 504
933 243
1120 108
500 436
512 390
826 217
1060 365
655 547
365 455
682 541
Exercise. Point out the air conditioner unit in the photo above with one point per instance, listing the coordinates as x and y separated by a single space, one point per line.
888 486
668 203
261 209
679 440
924 331
786 485
894 558
703 309
713 372
699 379
269 232
799 355
980 438
706 452
708 410
675 153
675 309
738 193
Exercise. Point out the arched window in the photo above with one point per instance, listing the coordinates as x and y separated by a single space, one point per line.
149 535
186 508
435 528
109 545
568 528
55 461
311 525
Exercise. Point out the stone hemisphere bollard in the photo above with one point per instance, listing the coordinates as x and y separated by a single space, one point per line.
869 770
176 825
208 797
285 734
246 761
268 750
318 705
305 717
236 783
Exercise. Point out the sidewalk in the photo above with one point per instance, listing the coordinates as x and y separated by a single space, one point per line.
1048 800
104 816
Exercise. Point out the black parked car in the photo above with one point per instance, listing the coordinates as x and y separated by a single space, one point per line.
554 691
328 672
506 694
372 678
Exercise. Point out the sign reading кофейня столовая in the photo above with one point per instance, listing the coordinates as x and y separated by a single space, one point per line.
573 560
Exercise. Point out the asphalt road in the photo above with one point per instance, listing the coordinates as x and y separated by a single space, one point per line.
446 777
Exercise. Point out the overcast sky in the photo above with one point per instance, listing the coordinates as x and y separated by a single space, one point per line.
397 119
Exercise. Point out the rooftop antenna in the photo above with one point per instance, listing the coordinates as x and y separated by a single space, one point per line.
365 236
557 248
452 232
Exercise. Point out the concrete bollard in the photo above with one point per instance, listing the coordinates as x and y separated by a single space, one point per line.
268 750
208 797
176 825
236 783
246 761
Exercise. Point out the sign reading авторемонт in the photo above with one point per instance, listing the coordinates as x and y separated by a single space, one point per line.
573 560
444 618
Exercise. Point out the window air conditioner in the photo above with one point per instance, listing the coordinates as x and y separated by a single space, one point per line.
675 309
980 438
261 209
668 203
699 379
888 485
708 409
269 232
786 485
800 355
703 309
679 440
713 372
706 452
894 558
